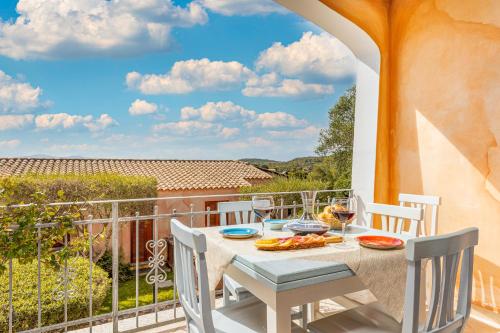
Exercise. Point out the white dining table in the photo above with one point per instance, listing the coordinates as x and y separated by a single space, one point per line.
285 283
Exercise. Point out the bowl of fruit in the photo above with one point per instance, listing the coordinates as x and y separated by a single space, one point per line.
327 217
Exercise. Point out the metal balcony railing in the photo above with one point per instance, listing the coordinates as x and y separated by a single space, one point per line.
163 209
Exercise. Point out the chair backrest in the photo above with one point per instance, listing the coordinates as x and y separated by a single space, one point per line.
190 246
394 217
425 202
446 252
242 210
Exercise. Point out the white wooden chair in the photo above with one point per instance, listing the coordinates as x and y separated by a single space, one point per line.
393 217
248 316
445 252
426 202
241 210
243 214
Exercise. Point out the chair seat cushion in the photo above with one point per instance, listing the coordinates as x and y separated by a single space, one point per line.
364 319
247 316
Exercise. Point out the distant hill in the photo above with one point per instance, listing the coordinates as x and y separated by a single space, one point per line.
44 156
297 167
259 161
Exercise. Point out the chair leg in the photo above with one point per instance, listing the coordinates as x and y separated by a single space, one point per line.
312 310
304 319
226 296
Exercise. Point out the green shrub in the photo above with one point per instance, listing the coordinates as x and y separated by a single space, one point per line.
82 187
25 301
124 269
282 184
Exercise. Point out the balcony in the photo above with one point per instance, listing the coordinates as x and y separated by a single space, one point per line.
149 298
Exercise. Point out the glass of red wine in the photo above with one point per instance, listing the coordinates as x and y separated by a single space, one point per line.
344 210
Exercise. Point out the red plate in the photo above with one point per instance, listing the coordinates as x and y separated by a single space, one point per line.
380 242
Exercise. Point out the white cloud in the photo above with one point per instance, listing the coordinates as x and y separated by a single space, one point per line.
100 123
9 144
217 110
228 132
306 132
276 119
243 7
17 96
256 142
313 57
60 29
8 122
187 127
190 75
64 120
271 85
142 107
195 128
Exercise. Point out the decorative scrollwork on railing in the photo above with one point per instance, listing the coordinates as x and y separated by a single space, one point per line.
156 261
65 287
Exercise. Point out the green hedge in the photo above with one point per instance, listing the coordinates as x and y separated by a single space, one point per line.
282 184
21 244
83 187
25 301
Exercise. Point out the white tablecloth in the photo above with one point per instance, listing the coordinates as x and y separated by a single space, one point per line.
382 272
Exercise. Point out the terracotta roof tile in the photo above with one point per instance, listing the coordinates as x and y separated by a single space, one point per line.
170 174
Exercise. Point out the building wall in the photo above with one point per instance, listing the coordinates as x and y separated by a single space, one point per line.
446 125
439 113
181 206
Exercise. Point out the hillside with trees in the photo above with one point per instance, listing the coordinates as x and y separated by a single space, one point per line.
299 167
333 164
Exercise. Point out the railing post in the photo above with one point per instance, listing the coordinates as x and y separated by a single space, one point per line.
191 216
208 217
156 259
66 286
11 309
116 257
39 276
137 214
91 265
282 202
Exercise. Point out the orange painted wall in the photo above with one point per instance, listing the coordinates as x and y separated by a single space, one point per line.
445 108
439 116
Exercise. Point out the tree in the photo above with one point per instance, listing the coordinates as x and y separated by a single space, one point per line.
335 143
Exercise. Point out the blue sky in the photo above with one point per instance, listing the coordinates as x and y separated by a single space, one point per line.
203 79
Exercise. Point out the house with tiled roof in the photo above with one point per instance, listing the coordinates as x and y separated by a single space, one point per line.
175 178
172 175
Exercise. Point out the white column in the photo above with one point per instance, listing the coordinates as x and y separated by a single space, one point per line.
365 137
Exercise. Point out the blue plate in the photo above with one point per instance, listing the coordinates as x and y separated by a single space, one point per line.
238 232
276 224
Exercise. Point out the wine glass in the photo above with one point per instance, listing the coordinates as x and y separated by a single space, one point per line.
263 207
344 209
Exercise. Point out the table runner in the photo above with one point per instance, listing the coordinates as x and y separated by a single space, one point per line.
382 272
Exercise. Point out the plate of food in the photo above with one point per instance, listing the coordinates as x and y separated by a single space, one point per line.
238 233
296 242
380 242
302 228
